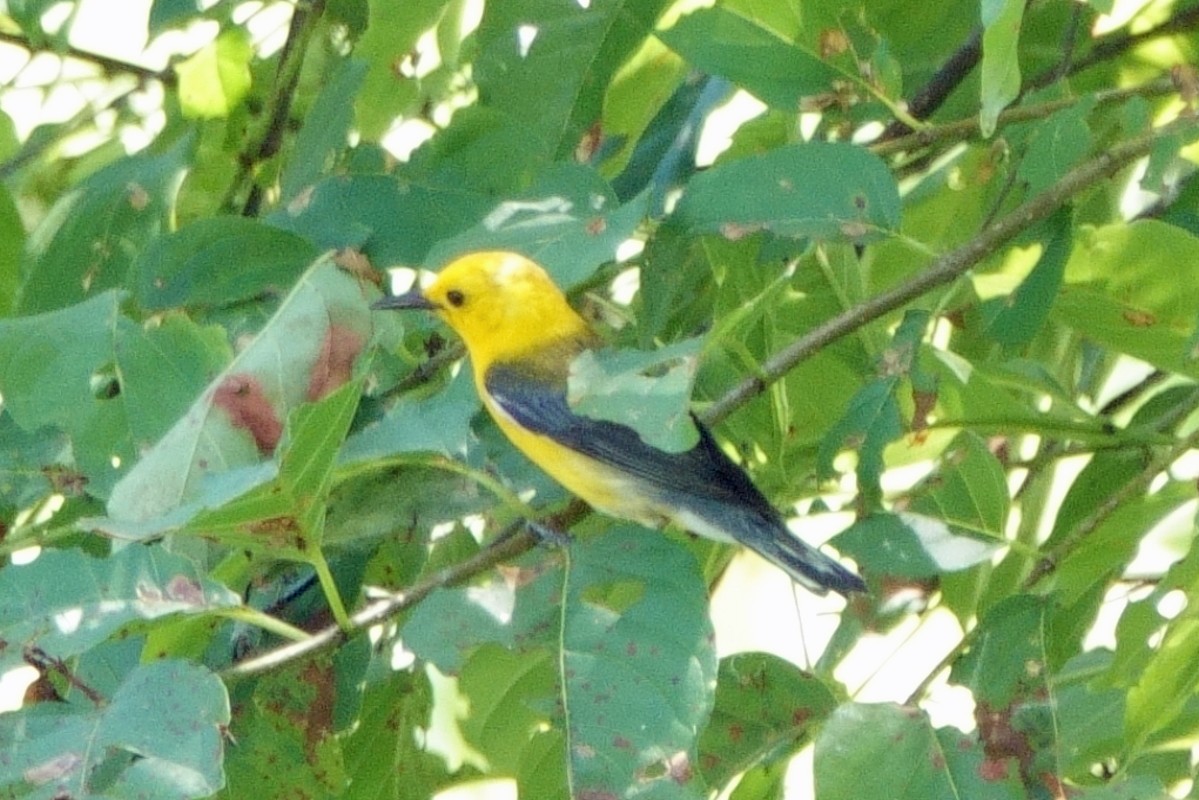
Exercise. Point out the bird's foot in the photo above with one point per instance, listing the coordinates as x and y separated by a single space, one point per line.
547 535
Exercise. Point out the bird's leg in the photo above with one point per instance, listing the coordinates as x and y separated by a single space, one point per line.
547 535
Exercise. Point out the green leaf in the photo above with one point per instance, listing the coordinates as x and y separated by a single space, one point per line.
1014 320
649 392
391 221
1169 675
580 47
12 241
569 221
27 459
637 664
779 73
287 725
437 424
65 602
306 351
1118 295
970 492
112 385
1109 548
870 423
391 37
1007 657
89 239
1090 717
509 716
161 734
167 14
218 261
885 750
910 545
1000 60
765 708
326 130
1055 145
216 79
385 761
824 190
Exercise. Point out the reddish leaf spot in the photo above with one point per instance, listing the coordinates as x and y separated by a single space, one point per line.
833 42
631 648
800 716
924 403
186 590
1139 318
736 230
992 770
335 362
595 794
357 264
736 732
139 198
597 226
678 767
242 398
621 743
589 143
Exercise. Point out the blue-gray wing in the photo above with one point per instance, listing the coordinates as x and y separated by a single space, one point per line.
703 471
702 481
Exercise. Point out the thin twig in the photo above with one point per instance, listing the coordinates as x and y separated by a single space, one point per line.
1089 524
946 268
516 539
505 547
1117 44
110 65
965 128
278 107
930 96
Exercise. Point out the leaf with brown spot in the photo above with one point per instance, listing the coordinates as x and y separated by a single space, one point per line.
249 409
218 450
335 362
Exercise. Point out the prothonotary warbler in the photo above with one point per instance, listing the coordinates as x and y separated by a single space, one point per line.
522 335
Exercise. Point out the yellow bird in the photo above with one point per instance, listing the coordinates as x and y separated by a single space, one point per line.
522 335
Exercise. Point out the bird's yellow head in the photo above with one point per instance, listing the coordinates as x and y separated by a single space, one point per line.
502 305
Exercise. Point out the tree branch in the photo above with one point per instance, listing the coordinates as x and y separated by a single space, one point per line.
930 96
510 544
1117 44
946 268
109 65
517 539
1089 524
265 145
965 128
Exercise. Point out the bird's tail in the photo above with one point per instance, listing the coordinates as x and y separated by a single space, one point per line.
801 561
768 536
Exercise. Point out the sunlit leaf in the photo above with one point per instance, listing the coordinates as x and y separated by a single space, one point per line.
215 80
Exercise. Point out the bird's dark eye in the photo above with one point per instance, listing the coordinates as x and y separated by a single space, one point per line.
455 297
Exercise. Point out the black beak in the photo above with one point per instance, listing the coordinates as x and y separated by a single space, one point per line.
401 302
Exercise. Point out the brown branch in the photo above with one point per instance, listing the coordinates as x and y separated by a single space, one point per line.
278 108
966 128
933 94
946 268
1117 44
517 539
109 65
1089 524
507 546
